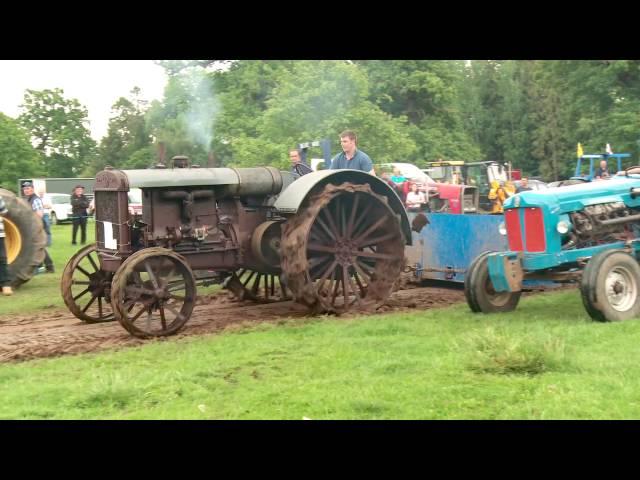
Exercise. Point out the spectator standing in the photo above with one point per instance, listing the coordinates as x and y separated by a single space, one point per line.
37 206
4 267
397 176
46 216
79 205
415 198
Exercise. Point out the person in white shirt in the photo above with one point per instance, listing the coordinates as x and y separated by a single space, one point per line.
46 216
415 199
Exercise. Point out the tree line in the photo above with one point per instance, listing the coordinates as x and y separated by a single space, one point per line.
248 113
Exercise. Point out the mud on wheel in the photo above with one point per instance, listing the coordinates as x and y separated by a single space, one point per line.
343 250
153 293
86 289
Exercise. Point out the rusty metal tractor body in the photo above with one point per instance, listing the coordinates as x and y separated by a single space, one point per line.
333 240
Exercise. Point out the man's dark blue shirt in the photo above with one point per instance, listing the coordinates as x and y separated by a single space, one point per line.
359 161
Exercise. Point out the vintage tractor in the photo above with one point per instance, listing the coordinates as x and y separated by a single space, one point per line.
587 233
333 240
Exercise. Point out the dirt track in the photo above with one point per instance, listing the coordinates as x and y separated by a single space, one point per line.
57 332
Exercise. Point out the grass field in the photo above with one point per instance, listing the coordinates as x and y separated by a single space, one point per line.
547 360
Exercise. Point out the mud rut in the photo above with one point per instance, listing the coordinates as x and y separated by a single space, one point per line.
57 332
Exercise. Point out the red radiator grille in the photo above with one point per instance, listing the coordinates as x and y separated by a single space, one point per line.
534 230
514 233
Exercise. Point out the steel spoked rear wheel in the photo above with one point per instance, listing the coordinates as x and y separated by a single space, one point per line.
344 251
85 288
153 293
260 287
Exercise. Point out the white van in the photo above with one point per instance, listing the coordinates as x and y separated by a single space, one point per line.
60 207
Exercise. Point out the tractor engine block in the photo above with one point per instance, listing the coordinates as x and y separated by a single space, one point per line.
603 223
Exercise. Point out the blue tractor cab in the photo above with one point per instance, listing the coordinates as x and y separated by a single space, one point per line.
594 162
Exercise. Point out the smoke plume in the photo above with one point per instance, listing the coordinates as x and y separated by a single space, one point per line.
201 116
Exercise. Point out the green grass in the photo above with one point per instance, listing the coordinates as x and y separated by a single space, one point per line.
546 360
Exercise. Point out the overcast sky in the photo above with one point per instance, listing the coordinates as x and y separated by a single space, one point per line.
97 84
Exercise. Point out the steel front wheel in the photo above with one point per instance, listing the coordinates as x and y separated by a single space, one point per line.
86 289
610 287
480 293
343 251
153 293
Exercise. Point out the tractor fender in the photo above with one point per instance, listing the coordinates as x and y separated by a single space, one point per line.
294 196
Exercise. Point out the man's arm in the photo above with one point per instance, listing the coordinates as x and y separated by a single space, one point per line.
37 207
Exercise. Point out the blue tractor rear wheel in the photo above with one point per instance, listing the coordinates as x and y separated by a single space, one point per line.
610 287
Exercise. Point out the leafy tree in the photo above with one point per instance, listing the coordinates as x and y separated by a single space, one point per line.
515 124
428 95
18 159
319 99
211 111
141 158
184 120
127 133
531 113
58 129
551 146
176 67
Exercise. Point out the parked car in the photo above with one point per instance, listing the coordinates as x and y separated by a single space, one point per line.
60 207
533 184
135 202
411 173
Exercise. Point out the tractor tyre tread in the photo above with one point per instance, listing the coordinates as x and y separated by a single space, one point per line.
33 238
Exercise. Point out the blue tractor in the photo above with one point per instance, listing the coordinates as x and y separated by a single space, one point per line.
594 161
586 166
587 233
